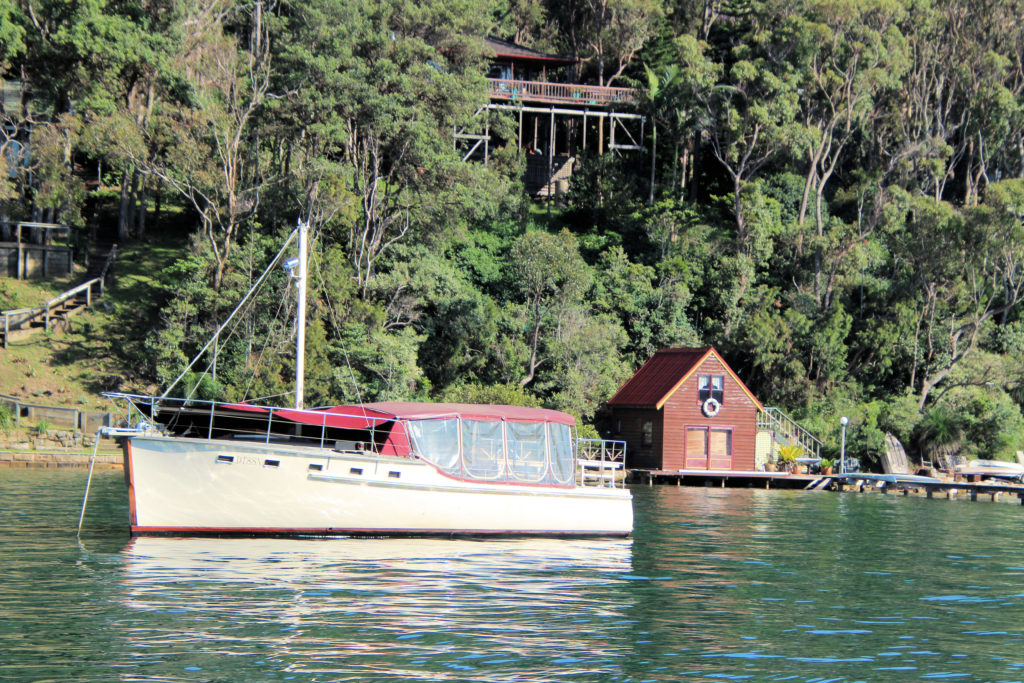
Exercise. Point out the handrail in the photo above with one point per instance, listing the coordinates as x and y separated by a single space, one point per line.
72 292
106 265
17 318
599 459
774 418
568 93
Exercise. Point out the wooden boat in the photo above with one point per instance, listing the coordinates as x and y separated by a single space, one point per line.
383 469
379 469
883 479
993 469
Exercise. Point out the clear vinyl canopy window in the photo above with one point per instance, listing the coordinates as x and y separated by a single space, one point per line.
497 451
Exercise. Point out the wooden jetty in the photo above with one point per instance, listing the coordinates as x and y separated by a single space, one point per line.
928 487
729 478
950 490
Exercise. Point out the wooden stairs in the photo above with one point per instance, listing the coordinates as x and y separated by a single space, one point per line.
785 430
55 314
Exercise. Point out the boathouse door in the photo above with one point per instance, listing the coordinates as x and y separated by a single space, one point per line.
708 448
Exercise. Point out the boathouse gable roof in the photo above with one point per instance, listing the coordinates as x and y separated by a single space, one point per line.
661 376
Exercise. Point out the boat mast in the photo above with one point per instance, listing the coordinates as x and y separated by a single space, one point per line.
300 332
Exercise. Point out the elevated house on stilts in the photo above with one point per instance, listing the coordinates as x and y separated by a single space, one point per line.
556 120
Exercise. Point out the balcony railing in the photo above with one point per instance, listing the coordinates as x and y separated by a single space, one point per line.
559 93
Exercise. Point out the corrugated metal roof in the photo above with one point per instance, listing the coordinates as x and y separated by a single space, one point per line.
658 377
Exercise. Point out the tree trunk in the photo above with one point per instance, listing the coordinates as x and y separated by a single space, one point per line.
654 150
531 368
741 224
140 211
124 208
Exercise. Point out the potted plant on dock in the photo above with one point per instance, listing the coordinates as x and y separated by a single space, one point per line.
788 453
826 466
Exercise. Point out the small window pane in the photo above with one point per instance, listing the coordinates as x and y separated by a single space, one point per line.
560 440
527 451
437 441
703 388
647 433
483 449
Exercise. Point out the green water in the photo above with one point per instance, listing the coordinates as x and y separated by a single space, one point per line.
716 584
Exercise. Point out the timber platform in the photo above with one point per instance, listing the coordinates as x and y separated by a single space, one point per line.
725 478
927 487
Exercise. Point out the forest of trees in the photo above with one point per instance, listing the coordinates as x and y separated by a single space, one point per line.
831 194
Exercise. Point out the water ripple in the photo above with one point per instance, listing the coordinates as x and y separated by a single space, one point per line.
715 585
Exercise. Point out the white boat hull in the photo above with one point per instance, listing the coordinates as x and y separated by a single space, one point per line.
184 486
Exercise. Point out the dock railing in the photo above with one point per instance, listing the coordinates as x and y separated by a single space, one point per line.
600 462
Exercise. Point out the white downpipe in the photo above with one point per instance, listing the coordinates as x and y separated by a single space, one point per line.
300 333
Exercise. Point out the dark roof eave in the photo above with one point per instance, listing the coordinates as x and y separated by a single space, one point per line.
642 406
506 50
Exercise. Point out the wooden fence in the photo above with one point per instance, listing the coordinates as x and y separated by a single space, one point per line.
87 421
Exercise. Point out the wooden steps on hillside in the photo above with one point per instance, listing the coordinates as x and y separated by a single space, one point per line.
55 314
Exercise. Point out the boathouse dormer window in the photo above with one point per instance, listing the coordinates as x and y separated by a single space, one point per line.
710 386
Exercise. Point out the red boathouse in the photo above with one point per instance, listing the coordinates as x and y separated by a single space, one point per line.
685 409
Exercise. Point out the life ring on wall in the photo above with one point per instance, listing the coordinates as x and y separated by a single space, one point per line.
711 406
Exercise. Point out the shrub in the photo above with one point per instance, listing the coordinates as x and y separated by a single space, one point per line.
6 418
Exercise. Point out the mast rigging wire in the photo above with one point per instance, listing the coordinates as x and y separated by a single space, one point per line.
241 303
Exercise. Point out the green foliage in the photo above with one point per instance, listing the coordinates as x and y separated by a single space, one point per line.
6 418
850 253
43 427
788 452
12 33
498 394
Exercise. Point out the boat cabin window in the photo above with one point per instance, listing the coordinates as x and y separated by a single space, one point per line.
483 449
527 451
438 442
494 450
562 464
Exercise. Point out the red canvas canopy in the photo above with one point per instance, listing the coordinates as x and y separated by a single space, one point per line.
425 411
341 417
370 415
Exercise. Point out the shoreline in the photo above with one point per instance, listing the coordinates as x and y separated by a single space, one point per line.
25 459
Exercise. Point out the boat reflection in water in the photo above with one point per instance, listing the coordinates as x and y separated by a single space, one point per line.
334 563
363 607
